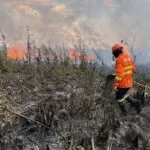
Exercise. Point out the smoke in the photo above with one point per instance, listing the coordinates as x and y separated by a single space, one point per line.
59 8
29 10
8 2
98 23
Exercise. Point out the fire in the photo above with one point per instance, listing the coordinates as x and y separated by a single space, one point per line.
78 55
16 52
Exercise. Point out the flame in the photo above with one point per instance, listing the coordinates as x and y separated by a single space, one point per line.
16 52
78 55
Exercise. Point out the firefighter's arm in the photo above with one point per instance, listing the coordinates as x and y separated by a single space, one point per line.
119 73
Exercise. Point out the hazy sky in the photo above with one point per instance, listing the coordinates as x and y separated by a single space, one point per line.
99 23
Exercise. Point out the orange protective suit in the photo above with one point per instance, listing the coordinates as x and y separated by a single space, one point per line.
124 71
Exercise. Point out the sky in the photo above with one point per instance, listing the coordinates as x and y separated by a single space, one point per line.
97 23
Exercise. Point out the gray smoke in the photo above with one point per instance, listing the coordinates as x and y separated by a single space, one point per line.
99 23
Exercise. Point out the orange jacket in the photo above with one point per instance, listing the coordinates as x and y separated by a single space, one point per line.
124 71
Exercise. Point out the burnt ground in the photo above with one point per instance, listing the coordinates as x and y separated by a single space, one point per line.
66 108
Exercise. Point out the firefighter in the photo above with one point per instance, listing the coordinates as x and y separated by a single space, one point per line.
124 50
124 68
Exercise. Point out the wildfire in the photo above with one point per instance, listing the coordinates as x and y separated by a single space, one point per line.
78 55
16 52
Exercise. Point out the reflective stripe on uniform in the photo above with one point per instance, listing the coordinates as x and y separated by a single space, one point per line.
128 67
121 100
124 98
118 78
128 72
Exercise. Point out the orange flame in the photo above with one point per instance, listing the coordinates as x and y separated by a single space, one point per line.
78 55
16 52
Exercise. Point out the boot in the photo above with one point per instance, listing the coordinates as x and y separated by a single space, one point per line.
135 103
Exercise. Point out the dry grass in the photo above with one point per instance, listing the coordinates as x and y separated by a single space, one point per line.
61 100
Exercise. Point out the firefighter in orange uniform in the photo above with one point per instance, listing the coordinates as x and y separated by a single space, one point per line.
124 68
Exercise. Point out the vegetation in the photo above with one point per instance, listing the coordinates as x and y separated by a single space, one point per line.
55 103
